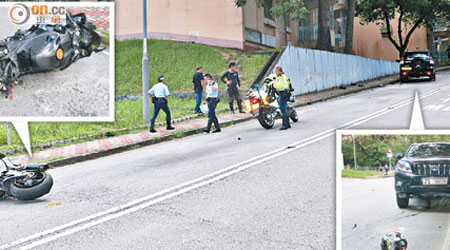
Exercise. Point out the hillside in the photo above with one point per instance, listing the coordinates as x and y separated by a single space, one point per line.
177 61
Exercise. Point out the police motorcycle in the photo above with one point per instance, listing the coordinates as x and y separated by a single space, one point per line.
263 103
23 182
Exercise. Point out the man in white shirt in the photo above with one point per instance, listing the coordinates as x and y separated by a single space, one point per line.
159 94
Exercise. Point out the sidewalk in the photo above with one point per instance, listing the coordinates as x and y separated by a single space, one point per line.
97 148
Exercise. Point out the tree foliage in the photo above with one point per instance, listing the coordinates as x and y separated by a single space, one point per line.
371 149
410 15
294 9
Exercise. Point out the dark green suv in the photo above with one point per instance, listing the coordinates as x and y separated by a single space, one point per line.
417 63
423 172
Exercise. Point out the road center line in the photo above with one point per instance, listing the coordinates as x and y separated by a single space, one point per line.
146 201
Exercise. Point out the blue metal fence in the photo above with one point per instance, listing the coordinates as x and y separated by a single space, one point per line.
314 70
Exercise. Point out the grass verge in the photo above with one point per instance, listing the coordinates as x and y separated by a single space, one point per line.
351 173
177 62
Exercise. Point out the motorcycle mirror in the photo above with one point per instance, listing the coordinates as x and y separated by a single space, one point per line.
399 156
100 48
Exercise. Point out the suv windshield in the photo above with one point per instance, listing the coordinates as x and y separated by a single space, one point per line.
429 150
412 56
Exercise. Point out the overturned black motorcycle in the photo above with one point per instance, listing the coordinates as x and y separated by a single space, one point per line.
262 103
23 182
46 47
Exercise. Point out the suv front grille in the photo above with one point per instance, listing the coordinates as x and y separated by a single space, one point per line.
431 169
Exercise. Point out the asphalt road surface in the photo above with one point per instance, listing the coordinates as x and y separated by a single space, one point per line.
81 90
370 211
244 188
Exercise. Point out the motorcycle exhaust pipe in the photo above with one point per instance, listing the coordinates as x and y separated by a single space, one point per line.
37 167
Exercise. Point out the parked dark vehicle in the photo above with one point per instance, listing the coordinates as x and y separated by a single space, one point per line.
262 103
417 63
45 47
23 182
423 172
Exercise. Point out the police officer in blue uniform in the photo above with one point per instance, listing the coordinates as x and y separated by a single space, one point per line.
212 97
159 94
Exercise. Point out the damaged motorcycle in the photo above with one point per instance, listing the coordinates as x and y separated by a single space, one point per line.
262 103
23 182
46 47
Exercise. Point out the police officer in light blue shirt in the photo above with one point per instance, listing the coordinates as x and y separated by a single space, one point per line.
159 94
212 98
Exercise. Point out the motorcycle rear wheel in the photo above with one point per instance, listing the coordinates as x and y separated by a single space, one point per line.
41 187
266 119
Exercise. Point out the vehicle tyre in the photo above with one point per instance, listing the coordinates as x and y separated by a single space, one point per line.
293 115
402 202
266 119
403 79
43 185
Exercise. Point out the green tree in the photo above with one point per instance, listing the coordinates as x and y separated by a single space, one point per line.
282 10
410 15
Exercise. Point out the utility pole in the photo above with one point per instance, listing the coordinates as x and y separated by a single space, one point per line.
145 87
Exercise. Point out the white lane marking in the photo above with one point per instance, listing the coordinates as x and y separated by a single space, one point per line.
105 52
109 214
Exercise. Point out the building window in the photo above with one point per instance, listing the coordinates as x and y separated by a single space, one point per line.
253 36
267 8
384 31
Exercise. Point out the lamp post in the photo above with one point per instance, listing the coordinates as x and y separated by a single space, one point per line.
145 87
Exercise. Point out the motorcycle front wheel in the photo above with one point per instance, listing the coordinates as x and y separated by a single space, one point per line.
266 119
30 188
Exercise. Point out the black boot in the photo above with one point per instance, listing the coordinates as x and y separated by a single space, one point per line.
152 128
285 123
208 126
169 127
231 106
239 102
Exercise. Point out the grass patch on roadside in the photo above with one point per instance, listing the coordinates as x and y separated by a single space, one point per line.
351 173
177 62
128 114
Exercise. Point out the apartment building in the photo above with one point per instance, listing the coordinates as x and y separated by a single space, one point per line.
221 23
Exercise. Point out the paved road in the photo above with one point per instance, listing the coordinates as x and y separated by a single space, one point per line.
82 90
370 211
219 191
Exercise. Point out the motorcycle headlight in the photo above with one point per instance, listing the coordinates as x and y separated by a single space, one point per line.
404 166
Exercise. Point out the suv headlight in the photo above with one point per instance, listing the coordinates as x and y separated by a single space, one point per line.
404 166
